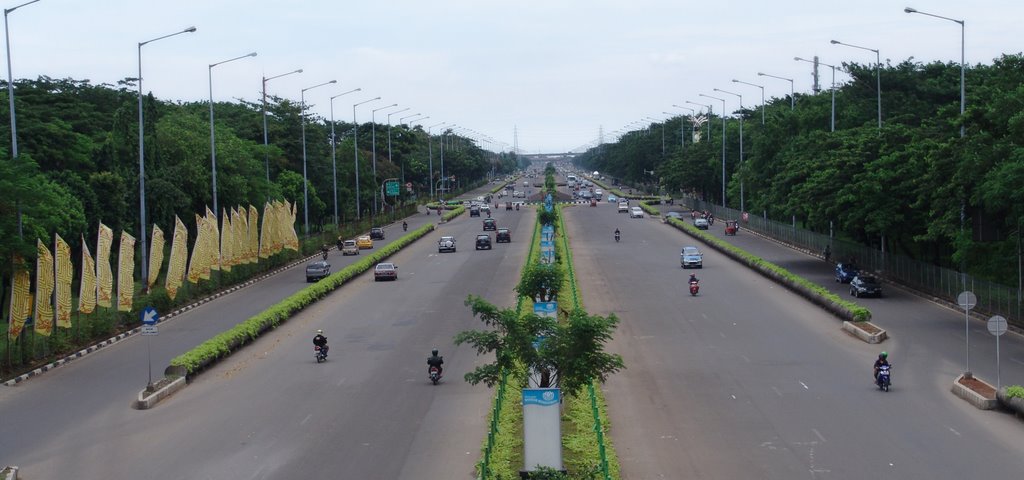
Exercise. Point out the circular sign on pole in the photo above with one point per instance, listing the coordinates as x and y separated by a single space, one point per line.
997 325
967 300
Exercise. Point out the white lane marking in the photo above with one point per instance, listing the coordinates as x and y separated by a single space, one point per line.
705 316
341 382
304 420
722 334
733 397
804 385
954 431
777 392
258 473
818 434
745 358
1015 360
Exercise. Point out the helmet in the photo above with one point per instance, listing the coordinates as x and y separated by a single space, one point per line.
883 355
319 332
434 352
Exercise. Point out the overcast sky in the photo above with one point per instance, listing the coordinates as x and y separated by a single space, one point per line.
555 70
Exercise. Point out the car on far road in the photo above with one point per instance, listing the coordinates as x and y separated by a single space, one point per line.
490 224
636 212
623 206
364 242
503 235
317 270
691 257
612 198
376 233
474 211
385 271
486 209
865 286
845 272
446 244
701 223
675 215
349 247
483 241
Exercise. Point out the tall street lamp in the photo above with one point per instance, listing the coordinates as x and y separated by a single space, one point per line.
390 159
401 120
762 93
142 156
741 142
707 106
662 122
878 75
723 141
373 127
213 142
266 144
430 154
682 133
963 98
816 62
305 181
334 157
355 151
10 97
792 95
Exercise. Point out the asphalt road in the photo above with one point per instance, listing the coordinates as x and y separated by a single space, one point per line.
748 380
270 411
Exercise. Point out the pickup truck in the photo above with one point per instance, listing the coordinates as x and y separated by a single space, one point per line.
446 244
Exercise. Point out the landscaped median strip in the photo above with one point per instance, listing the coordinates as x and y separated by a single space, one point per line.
220 346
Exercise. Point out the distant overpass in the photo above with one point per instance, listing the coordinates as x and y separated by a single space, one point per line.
549 156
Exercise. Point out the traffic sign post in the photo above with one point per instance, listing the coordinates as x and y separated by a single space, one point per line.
967 300
149 329
997 327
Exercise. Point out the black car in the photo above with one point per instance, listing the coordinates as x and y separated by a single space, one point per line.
865 286
845 272
474 211
317 270
503 235
490 224
376 233
483 241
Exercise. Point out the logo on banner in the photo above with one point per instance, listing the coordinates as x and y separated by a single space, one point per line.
544 397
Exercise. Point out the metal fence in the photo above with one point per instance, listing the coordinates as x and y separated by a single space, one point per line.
940 282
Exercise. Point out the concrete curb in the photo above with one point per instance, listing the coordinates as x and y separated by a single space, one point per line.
856 331
117 338
145 402
9 473
972 397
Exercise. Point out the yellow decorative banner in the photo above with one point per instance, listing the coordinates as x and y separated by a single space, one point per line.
21 299
197 268
254 235
125 272
156 255
227 244
214 247
44 290
63 273
87 289
104 277
293 239
179 258
239 241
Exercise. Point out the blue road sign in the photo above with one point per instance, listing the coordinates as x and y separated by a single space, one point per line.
149 316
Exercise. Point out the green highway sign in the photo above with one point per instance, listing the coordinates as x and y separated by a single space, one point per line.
391 187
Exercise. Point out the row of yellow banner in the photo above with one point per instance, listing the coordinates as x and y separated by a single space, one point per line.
235 241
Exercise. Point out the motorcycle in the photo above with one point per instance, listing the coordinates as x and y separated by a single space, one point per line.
617 237
324 254
320 353
435 375
883 380
694 288
405 226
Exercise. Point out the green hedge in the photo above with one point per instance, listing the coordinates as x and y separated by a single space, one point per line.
649 209
1015 391
453 213
811 290
225 342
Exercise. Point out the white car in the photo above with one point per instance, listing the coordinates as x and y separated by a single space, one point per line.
701 223
691 257
623 207
636 212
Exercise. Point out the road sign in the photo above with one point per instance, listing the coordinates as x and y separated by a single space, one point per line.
149 330
967 300
391 187
545 309
149 316
997 325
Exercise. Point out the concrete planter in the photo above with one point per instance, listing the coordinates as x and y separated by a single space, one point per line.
147 401
868 336
972 397
1014 404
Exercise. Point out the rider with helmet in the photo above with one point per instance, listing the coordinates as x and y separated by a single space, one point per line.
883 359
321 341
693 278
435 360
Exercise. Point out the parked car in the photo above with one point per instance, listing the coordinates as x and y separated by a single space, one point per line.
385 271
474 211
701 223
349 247
490 224
376 233
364 241
865 286
446 244
845 272
317 270
636 212
483 241
503 235
623 206
691 257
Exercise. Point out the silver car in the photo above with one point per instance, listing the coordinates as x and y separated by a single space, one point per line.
690 257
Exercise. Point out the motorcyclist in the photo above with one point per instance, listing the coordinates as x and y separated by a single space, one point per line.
693 278
323 250
617 234
883 360
435 360
321 341
405 226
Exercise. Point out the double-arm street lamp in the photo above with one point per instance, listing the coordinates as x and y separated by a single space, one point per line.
373 127
390 159
10 97
266 144
816 62
963 98
213 142
723 140
682 132
142 156
762 94
740 97
430 155
355 151
707 106
792 94
305 181
878 75
334 157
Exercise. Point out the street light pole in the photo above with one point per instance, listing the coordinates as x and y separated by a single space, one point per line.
400 121
682 133
355 152
334 157
266 144
723 142
10 97
878 75
707 106
430 154
390 158
142 157
305 181
373 127
213 143
792 94
833 85
740 163
762 93
963 97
